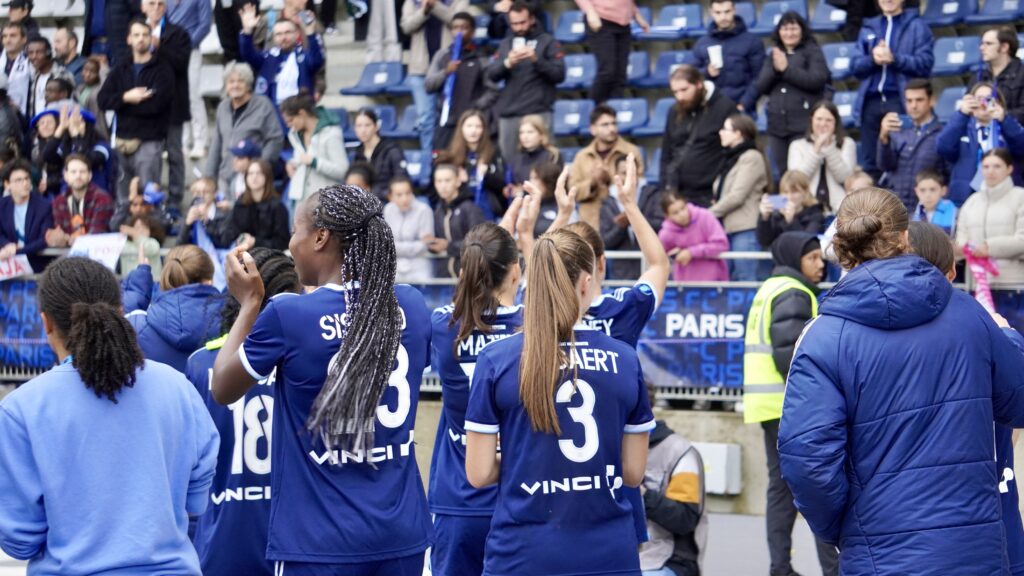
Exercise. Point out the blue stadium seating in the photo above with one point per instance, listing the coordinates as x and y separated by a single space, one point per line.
663 67
572 28
639 67
406 127
568 154
417 165
675 22
635 28
630 113
570 116
956 55
771 12
839 57
997 12
480 37
948 12
946 107
387 116
652 169
827 18
655 125
746 11
376 78
580 70
844 101
346 126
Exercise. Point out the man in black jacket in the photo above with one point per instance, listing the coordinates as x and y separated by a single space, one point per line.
1003 68
691 150
532 64
139 91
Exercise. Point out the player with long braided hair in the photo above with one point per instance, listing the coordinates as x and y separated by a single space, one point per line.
347 495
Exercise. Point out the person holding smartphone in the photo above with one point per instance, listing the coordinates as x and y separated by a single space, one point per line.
907 142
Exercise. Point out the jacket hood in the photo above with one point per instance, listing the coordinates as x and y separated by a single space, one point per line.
325 118
788 248
739 27
186 317
660 432
890 294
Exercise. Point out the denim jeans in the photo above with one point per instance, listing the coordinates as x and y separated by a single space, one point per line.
747 270
426 115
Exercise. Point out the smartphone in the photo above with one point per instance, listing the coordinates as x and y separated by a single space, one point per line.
778 201
905 122
518 42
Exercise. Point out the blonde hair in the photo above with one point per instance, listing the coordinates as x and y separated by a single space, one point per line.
185 264
537 121
552 308
796 180
870 226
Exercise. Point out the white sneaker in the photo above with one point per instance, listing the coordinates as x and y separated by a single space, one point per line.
197 152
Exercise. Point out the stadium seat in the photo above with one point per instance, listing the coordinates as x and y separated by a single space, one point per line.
406 127
675 22
571 115
211 80
568 154
376 78
211 44
839 57
402 89
997 12
386 115
480 31
844 102
655 125
956 55
827 18
634 28
580 70
417 165
630 113
346 126
652 170
639 67
948 12
572 28
666 63
70 9
948 102
771 12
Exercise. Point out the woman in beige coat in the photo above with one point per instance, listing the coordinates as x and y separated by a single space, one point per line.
991 221
827 153
742 179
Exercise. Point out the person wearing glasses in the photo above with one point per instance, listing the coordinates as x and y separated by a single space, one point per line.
1002 67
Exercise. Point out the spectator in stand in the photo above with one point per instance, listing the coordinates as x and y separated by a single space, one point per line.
16 65
195 17
259 218
40 55
991 221
691 150
44 128
227 17
454 215
801 213
743 178
534 149
87 91
616 231
209 212
25 217
65 52
107 24
981 124
472 88
609 39
11 136
411 222
426 22
145 201
545 179
20 12
241 117
498 28
895 47
243 153
142 106
480 166
76 134
360 175
531 63
932 204
289 67
83 207
174 47
383 43
827 156
904 151
693 238
383 155
738 55
1003 68
319 157
594 166
793 78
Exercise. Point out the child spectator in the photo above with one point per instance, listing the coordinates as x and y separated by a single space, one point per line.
856 181
479 164
84 208
693 238
454 215
25 216
545 178
360 174
411 222
243 154
145 236
932 204
801 212
44 129
534 149
147 203
209 213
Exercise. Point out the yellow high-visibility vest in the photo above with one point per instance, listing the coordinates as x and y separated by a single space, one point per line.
764 387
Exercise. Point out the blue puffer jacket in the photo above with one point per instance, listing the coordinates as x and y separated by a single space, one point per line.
912 47
177 323
886 437
742 58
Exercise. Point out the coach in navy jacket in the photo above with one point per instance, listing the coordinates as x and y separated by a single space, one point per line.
742 57
38 220
886 437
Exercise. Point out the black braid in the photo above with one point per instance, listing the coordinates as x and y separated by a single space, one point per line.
343 413
83 300
277 270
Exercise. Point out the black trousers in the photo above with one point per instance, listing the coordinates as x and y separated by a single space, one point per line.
778 153
781 514
610 46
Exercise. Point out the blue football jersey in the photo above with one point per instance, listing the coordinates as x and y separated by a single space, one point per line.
339 506
450 491
561 509
623 313
231 536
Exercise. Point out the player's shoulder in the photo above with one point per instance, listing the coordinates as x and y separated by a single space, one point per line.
412 302
442 315
598 339
503 350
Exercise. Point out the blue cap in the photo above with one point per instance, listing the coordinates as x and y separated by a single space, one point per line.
152 195
47 112
246 149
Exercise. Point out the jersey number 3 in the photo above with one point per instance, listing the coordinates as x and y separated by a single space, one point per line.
583 415
399 380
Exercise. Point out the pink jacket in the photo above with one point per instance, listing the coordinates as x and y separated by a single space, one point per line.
618 11
705 239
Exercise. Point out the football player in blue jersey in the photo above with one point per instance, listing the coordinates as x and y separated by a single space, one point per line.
349 357
572 409
231 537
